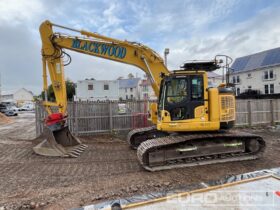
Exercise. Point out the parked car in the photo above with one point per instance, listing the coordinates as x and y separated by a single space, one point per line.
27 107
8 110
3 108
13 108
11 113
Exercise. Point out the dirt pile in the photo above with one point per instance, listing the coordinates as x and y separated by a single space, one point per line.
4 119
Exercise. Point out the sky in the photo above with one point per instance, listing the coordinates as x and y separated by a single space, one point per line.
191 29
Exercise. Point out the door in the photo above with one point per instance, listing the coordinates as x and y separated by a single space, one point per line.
181 95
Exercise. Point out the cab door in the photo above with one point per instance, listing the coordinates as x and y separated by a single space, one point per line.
196 93
181 95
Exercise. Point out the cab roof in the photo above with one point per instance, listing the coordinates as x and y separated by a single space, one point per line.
200 65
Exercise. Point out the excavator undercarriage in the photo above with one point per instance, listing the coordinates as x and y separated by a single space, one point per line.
179 150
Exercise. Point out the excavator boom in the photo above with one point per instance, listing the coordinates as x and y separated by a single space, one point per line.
136 54
56 139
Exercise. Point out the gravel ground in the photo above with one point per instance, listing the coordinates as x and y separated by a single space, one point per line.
108 169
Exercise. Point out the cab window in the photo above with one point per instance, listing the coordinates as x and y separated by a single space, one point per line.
176 90
196 88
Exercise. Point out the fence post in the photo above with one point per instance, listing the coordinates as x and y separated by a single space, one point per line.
110 116
39 115
73 120
249 110
271 111
36 119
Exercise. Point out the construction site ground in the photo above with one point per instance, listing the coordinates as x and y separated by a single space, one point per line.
108 169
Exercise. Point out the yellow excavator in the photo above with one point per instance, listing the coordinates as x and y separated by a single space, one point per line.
191 120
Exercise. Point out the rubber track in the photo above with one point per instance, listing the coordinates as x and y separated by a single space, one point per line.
138 130
153 144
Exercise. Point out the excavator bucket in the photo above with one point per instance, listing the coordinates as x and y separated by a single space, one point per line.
56 139
58 143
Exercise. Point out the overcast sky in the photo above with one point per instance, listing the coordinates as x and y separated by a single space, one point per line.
192 29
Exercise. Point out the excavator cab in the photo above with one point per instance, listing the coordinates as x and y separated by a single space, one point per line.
181 95
186 103
57 140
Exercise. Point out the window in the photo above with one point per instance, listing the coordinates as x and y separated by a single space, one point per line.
145 96
266 89
271 74
131 96
233 80
266 75
126 90
197 87
271 88
145 88
131 89
249 87
176 90
106 87
90 87
126 97
237 79
237 91
249 75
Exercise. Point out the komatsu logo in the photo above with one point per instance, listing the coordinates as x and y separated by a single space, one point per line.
101 49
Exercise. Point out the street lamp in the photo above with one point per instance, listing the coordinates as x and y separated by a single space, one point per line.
166 52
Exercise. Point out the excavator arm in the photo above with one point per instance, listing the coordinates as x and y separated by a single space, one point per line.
56 139
53 45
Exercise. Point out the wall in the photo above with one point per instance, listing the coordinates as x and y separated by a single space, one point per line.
146 91
215 81
97 93
23 95
128 92
256 81
5 98
20 96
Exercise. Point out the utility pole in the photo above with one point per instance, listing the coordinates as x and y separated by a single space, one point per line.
166 52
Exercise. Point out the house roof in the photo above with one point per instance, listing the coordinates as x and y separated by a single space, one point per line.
256 61
12 92
145 82
129 83
8 92
211 74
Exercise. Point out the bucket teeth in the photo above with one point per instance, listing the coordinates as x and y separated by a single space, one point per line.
74 155
79 150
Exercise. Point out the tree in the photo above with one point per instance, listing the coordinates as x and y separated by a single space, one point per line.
70 90
130 76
